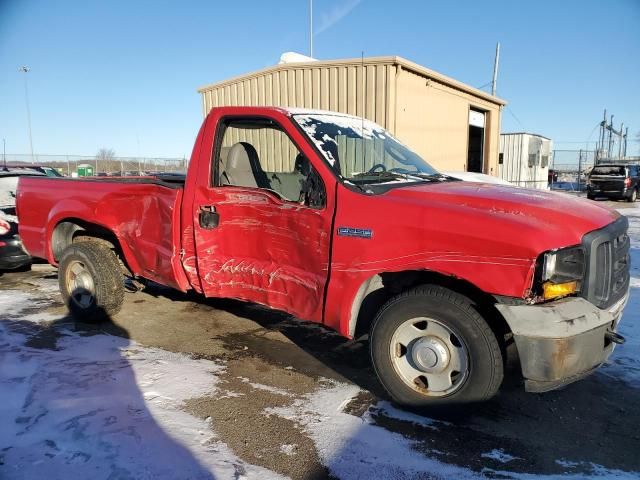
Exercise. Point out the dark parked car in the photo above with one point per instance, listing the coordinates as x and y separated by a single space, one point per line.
12 254
614 181
28 167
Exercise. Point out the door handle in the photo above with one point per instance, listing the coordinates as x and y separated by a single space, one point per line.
208 217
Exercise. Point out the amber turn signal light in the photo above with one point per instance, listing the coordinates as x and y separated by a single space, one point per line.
555 290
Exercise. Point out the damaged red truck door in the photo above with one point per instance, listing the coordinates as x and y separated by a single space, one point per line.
255 239
330 218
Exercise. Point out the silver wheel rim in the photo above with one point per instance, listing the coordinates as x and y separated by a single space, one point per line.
80 284
429 357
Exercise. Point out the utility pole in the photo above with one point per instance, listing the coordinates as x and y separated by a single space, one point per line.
626 133
311 28
579 168
24 69
601 137
620 141
610 145
4 153
494 83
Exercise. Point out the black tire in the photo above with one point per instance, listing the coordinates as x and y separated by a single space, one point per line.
103 270
634 196
456 312
590 197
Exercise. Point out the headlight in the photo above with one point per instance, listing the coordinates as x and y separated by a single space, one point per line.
562 272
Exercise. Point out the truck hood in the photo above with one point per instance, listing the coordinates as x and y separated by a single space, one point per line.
543 219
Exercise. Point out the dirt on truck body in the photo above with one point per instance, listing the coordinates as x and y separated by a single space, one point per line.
329 218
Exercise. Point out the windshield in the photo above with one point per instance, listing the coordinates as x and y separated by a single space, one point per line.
608 170
362 151
51 172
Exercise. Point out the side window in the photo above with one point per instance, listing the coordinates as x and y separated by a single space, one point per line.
257 153
544 161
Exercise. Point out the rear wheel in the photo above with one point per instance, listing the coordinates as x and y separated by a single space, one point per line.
429 346
634 195
91 281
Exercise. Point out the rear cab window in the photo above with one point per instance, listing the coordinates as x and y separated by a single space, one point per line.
611 170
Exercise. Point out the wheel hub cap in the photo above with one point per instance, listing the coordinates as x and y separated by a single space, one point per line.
430 354
80 284
429 357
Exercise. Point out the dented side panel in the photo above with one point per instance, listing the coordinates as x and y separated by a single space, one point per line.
141 215
264 251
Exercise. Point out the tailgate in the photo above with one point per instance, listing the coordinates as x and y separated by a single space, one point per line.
607 183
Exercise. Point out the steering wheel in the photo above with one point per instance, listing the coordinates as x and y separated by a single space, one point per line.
377 166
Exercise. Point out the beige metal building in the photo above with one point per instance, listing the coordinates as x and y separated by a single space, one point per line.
453 126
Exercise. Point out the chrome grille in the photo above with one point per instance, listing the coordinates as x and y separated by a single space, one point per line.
607 269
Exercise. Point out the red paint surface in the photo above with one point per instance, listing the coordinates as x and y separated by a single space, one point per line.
278 253
265 250
142 217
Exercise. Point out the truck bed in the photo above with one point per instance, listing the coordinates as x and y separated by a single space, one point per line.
142 212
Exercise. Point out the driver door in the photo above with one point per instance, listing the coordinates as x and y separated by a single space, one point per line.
263 229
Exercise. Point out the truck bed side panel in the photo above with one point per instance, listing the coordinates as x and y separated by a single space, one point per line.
143 216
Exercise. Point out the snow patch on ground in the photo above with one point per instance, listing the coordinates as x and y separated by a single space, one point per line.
289 449
592 471
101 406
386 409
499 455
266 388
353 448
624 363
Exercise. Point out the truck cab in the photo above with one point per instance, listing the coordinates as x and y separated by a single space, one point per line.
330 218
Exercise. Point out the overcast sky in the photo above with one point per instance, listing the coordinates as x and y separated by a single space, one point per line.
123 74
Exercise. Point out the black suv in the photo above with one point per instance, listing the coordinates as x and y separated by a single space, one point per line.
614 181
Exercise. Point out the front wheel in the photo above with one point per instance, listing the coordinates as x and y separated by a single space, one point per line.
91 281
429 346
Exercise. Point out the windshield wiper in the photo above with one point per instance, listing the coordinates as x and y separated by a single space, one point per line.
385 174
434 176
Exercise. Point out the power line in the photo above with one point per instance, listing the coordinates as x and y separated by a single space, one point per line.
484 86
508 109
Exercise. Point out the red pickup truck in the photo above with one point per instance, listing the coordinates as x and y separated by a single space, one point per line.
328 217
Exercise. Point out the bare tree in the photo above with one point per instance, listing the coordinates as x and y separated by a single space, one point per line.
106 157
105 154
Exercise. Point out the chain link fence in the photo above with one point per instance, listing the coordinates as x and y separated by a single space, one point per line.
72 165
569 169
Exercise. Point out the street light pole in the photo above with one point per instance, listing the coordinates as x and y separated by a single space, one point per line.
494 83
26 70
311 28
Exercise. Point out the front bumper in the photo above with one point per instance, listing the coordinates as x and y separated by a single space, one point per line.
12 254
562 341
